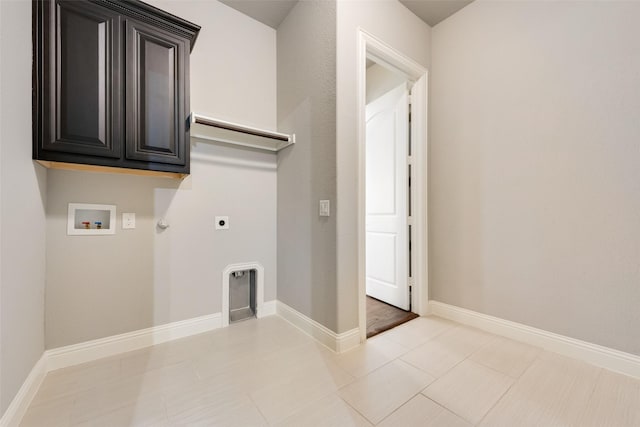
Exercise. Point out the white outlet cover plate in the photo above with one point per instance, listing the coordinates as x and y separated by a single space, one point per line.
128 220
226 223
325 208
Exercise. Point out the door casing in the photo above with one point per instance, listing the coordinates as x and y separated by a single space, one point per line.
383 54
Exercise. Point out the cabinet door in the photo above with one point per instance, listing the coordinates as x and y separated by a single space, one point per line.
82 90
157 73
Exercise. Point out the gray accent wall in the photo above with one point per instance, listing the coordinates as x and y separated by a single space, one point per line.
317 257
22 209
307 170
99 286
534 178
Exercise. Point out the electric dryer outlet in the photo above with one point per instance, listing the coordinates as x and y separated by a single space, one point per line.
222 223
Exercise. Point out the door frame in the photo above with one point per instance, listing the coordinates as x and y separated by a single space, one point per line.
370 46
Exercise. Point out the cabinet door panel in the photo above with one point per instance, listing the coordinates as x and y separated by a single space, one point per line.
84 110
156 95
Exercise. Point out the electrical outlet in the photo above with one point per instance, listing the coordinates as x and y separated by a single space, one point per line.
128 221
222 223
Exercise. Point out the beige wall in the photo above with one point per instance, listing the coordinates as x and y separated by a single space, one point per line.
307 171
535 146
381 80
233 64
22 211
104 285
399 28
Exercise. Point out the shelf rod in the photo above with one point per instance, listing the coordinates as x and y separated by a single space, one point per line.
240 128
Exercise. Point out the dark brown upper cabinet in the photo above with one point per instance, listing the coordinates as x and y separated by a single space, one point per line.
156 123
111 86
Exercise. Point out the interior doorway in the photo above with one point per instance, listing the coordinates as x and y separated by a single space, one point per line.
387 198
387 194
392 196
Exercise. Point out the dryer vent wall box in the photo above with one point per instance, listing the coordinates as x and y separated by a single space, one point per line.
242 295
89 219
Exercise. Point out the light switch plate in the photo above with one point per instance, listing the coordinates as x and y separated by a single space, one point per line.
128 220
325 208
222 223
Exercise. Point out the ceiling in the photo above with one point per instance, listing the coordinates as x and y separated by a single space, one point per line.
434 11
269 12
273 12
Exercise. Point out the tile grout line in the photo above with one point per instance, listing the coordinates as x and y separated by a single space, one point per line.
496 402
446 407
449 410
399 407
509 389
253 402
355 409
499 372
495 338
468 358
431 338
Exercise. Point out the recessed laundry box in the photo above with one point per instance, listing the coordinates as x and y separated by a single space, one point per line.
242 292
242 295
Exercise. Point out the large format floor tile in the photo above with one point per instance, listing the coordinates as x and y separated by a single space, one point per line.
418 331
144 412
615 402
75 379
440 354
98 401
427 372
469 390
423 412
284 397
507 356
385 389
331 411
52 413
554 391
166 354
374 353
206 404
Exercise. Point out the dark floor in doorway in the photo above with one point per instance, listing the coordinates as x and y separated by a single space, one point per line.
382 316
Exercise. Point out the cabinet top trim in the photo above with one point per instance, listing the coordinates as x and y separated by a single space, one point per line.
158 17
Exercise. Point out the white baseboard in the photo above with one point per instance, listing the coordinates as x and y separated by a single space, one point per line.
347 340
268 309
18 407
104 347
605 357
336 342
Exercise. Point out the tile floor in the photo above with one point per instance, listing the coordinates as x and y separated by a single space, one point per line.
428 372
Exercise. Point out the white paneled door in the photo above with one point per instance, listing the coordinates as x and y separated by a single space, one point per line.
387 189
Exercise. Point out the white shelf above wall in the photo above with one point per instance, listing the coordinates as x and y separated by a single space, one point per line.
215 130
